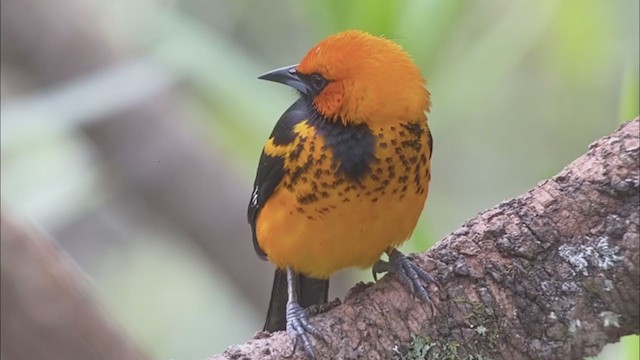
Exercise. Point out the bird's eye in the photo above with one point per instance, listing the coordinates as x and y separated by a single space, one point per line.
318 82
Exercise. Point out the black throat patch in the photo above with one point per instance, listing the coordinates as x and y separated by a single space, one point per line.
353 146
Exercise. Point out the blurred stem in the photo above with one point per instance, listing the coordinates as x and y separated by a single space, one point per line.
42 291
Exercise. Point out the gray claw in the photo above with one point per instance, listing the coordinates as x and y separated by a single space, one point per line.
413 277
298 327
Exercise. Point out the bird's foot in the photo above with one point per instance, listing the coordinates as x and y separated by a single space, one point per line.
299 328
413 277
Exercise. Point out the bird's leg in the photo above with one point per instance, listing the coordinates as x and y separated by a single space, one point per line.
298 326
413 277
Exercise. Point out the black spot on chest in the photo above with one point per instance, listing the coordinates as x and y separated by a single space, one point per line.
352 146
414 128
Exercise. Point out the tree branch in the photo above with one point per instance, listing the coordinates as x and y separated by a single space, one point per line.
551 274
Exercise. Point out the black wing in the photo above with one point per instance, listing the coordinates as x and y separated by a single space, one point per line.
271 168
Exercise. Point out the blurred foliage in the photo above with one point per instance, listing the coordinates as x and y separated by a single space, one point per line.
628 348
178 314
629 95
519 89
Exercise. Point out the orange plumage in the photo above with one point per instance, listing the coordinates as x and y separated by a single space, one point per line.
372 81
345 173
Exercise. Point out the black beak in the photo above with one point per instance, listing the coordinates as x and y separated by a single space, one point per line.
288 76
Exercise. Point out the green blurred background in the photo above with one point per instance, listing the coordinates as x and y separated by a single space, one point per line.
131 131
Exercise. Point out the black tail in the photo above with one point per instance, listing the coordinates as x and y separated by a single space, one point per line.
310 292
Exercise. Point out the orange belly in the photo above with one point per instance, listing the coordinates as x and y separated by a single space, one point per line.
353 234
345 224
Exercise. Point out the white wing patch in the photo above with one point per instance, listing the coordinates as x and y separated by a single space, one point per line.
254 197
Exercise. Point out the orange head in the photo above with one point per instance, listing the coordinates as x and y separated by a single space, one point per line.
355 77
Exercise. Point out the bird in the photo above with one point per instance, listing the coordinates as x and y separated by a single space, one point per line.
344 175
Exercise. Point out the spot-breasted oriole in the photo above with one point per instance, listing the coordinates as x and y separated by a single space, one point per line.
344 175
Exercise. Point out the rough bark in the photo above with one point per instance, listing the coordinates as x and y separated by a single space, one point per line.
551 274
46 309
